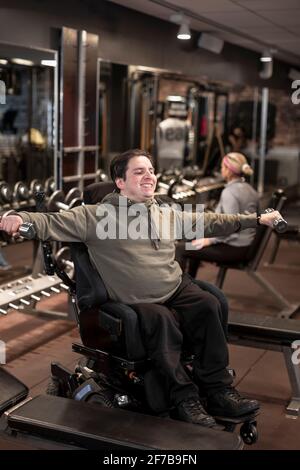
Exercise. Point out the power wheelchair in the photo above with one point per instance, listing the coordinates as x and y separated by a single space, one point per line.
114 370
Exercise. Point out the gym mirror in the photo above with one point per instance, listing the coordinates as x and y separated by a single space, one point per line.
171 116
27 133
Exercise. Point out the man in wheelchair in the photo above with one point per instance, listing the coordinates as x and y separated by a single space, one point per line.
141 272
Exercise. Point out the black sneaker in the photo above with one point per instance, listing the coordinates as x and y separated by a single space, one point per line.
191 411
228 402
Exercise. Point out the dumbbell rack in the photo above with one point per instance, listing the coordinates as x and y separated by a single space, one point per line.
182 190
24 293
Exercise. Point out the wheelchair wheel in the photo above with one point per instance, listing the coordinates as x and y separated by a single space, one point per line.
249 433
54 387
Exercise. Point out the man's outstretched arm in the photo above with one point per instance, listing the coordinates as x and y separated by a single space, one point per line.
69 226
225 224
207 225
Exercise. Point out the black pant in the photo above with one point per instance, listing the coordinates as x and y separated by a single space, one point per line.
193 315
218 253
219 294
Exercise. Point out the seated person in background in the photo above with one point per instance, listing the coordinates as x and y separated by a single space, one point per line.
142 272
238 197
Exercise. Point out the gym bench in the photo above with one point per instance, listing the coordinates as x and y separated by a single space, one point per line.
277 334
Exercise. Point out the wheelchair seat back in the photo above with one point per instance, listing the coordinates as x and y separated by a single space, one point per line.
95 192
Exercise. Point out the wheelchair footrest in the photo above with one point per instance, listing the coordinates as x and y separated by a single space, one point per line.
103 357
96 427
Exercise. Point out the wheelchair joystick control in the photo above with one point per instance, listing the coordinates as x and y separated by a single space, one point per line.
279 225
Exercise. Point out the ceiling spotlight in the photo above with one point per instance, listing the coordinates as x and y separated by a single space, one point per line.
266 56
266 59
184 32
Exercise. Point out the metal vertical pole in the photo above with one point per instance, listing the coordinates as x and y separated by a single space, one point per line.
154 123
263 139
97 163
58 119
132 85
81 105
254 134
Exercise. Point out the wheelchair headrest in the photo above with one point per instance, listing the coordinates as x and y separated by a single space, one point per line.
95 192
90 289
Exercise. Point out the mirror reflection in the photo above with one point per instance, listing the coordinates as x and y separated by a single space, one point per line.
180 121
188 125
27 139
26 118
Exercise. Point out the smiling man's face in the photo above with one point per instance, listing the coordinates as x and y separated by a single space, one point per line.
140 182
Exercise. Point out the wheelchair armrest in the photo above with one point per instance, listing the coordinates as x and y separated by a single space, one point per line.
111 324
131 326
119 321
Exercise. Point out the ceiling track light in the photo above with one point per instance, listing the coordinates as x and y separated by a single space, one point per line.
265 58
267 55
184 31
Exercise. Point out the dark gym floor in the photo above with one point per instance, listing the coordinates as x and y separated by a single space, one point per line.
33 342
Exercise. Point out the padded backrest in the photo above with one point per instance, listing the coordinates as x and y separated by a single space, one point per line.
90 289
263 233
95 192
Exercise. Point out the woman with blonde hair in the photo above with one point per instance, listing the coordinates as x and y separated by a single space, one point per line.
237 165
238 197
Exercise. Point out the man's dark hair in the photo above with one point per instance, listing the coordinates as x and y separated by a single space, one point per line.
119 164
